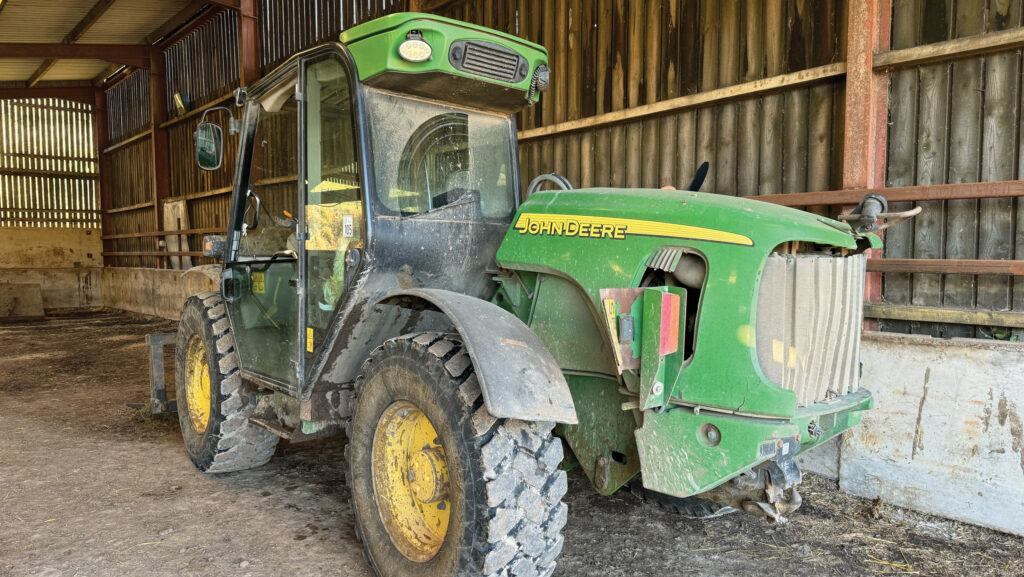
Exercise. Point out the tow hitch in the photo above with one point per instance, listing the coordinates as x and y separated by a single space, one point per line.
768 489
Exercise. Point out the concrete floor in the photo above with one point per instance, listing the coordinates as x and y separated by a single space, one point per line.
90 487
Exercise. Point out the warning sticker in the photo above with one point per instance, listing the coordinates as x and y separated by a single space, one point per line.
258 283
309 339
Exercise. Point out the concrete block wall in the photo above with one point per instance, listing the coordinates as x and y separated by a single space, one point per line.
64 262
946 435
150 291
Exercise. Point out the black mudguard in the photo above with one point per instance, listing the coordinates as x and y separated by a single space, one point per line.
518 376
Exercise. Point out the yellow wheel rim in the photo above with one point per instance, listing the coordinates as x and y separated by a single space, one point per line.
410 480
197 384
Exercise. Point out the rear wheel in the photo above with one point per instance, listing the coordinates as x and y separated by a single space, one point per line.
214 404
439 486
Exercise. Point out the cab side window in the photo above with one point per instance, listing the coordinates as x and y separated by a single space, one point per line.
334 201
273 176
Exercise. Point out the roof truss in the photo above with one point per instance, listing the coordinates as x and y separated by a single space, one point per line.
128 54
87 21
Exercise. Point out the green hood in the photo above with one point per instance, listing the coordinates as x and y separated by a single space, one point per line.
764 223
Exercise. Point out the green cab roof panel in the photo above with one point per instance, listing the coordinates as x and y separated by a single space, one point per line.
491 68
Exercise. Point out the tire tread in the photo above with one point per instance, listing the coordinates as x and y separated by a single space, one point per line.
520 460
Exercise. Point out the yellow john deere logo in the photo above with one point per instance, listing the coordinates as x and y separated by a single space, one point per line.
619 228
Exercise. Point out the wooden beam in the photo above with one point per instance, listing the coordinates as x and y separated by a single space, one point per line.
699 100
158 115
101 78
176 22
947 266
47 173
165 233
135 55
155 252
232 4
1001 189
200 19
958 49
248 44
104 194
76 93
130 207
1014 319
122 143
98 10
220 101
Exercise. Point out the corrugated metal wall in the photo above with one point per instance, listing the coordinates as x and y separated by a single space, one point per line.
956 122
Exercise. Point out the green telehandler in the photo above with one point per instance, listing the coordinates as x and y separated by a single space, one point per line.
382 278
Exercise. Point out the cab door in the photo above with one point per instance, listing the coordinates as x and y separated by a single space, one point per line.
263 259
333 209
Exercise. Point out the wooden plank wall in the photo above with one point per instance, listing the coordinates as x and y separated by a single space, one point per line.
202 67
290 26
128 204
47 164
956 122
613 55
204 64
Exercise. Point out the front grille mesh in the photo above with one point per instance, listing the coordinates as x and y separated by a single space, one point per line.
491 61
809 313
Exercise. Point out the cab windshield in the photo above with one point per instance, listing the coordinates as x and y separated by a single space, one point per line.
429 156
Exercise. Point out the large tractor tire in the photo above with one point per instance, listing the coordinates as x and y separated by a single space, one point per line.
688 507
214 404
441 488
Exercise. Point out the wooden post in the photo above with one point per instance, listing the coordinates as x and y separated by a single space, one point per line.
157 116
248 43
866 106
103 192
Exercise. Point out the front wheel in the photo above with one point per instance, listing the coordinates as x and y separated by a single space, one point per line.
439 486
214 404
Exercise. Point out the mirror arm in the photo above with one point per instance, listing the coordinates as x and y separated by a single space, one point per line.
234 124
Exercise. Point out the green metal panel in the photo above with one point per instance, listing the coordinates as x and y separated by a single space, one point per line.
374 45
603 441
676 459
603 238
562 318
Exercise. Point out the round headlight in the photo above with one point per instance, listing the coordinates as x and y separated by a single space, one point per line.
414 50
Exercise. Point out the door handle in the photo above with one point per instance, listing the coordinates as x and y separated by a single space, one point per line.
224 278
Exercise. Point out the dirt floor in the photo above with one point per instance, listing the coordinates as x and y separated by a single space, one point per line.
91 487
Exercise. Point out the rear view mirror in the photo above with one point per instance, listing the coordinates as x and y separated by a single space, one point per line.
209 145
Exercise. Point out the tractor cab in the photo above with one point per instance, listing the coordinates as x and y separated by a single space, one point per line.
384 162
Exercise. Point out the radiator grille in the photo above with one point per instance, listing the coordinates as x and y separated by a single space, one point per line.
809 315
488 60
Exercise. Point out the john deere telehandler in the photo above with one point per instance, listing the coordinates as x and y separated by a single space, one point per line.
383 278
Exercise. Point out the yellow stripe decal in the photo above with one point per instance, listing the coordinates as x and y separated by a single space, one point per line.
619 228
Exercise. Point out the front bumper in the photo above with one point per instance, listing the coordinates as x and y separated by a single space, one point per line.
686 451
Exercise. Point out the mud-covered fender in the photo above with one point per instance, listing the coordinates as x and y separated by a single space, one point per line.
518 376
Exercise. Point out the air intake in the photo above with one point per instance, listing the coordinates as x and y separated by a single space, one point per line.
809 313
488 60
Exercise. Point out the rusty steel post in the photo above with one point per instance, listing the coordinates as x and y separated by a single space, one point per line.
867 91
